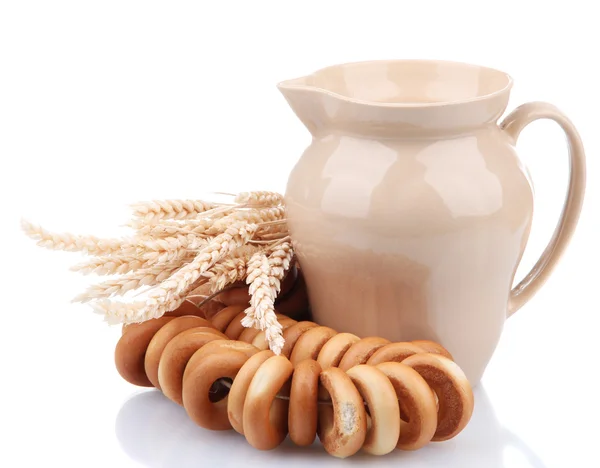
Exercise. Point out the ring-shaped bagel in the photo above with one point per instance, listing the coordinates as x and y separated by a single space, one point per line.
416 402
225 316
235 327
394 352
130 352
384 411
432 347
219 346
176 355
197 383
260 340
361 351
304 395
310 343
265 417
248 335
333 351
455 396
162 337
343 425
291 335
239 389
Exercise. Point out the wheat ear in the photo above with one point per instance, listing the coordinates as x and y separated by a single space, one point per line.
171 292
254 216
259 198
280 259
230 269
143 277
155 210
170 227
110 265
71 243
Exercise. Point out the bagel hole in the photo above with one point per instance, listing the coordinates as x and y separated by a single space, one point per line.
219 389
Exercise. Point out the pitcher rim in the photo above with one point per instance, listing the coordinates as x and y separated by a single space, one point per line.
289 84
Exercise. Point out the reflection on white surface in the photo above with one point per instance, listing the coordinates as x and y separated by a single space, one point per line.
157 433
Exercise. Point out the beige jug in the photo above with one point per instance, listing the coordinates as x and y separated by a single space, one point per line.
410 210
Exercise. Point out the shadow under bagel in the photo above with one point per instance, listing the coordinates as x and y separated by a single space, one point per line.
155 432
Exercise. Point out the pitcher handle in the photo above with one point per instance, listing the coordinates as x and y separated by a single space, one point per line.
516 121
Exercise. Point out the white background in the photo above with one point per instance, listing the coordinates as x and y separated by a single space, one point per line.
107 103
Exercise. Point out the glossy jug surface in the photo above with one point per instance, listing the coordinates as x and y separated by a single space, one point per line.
410 210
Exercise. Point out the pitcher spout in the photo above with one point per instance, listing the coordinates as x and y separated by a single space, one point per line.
398 98
304 99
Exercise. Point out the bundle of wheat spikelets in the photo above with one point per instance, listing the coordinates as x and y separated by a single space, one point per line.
180 246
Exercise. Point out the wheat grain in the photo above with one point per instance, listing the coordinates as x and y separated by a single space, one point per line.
280 259
143 254
143 277
118 265
230 269
164 244
119 312
134 312
259 198
253 216
264 275
155 210
109 265
169 227
261 313
172 292
182 246
235 236
70 242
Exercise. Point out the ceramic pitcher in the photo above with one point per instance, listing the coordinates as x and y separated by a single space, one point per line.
410 210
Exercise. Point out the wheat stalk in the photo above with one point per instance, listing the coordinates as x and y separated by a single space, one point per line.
182 246
170 293
234 237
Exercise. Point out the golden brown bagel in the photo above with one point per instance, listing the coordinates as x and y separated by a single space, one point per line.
394 352
239 389
433 347
342 426
417 403
130 351
333 351
380 396
198 381
225 316
310 343
265 417
291 335
303 410
455 397
176 355
162 337
361 351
